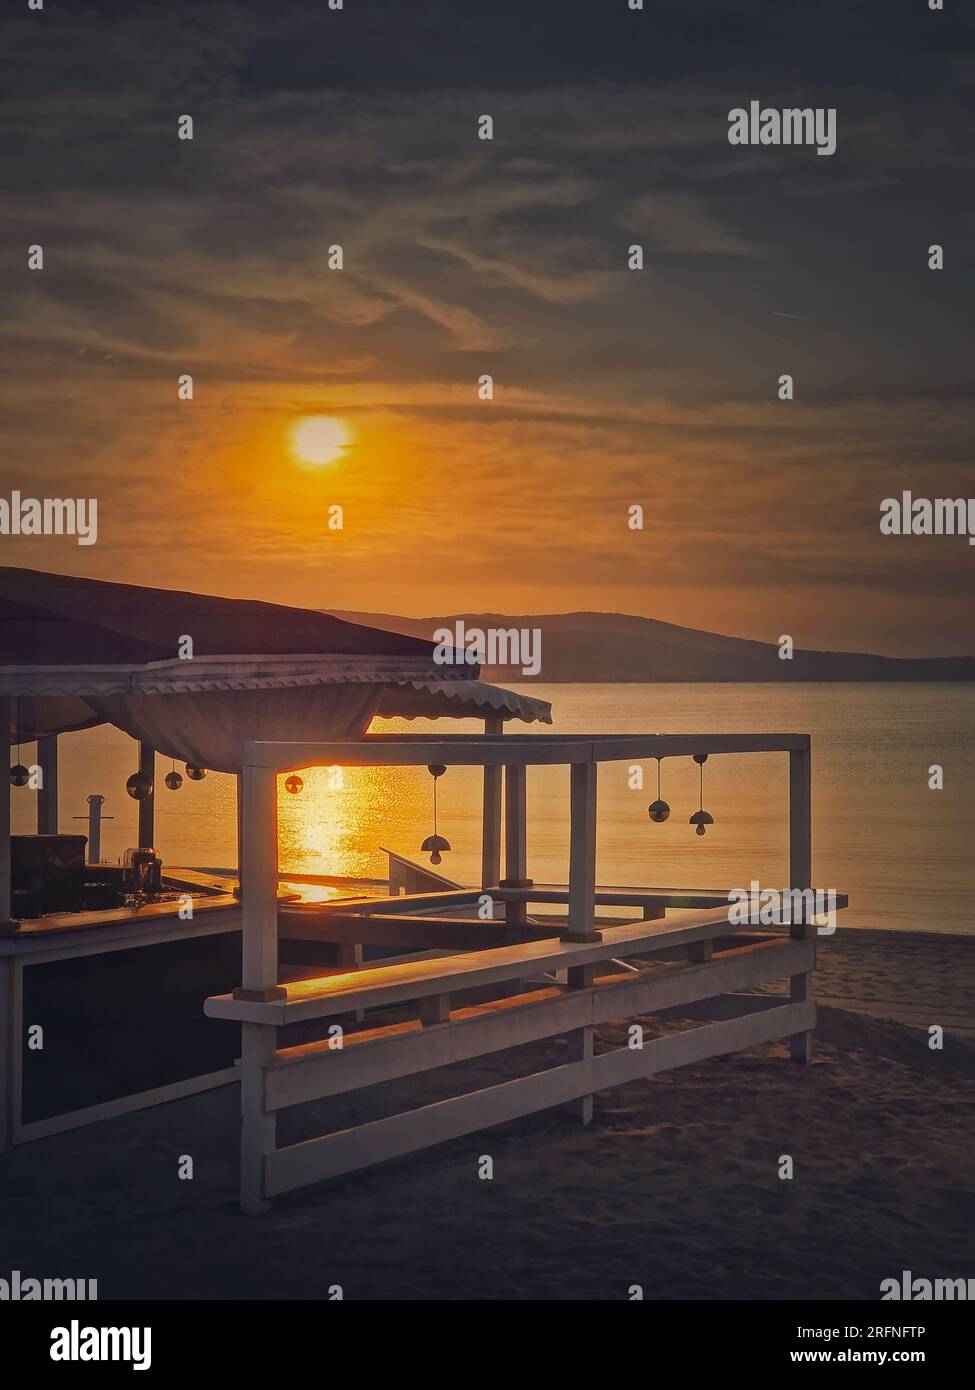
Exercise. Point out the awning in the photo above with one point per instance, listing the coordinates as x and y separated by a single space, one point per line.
460 700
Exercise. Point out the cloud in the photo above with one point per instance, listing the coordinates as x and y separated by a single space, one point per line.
684 223
464 257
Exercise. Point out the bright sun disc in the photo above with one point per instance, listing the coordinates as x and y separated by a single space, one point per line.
319 439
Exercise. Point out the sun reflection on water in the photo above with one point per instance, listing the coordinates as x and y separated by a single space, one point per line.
342 819
342 816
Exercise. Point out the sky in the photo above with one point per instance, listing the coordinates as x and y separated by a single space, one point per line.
464 257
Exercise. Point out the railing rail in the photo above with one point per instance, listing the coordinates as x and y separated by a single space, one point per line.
444 1036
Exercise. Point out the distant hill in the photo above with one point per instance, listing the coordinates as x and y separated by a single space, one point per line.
619 647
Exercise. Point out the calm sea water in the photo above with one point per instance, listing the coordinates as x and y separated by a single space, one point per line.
902 851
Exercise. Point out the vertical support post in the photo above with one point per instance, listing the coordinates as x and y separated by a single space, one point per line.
435 1008
147 807
259 901
699 952
515 838
47 795
239 782
10 1044
800 877
582 853
580 1040
9 975
258 1128
6 710
95 804
491 828
259 885
516 829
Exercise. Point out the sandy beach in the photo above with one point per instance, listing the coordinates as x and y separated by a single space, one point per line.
675 1187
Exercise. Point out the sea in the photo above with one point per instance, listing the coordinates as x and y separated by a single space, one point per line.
883 830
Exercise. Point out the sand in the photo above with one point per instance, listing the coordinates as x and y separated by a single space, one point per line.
674 1187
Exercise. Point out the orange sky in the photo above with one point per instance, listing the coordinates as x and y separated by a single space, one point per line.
462 257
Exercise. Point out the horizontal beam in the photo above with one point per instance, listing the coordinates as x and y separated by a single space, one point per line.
682 898
642 746
489 750
619 897
474 752
125 1105
396 905
315 1070
325 996
449 933
215 917
352 1149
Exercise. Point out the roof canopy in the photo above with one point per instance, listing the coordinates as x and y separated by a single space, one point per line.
59 620
79 652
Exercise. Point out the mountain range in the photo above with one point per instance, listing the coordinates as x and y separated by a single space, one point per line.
621 647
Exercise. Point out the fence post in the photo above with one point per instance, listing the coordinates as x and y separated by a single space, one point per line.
47 795
800 877
515 839
147 806
582 853
491 829
259 904
582 904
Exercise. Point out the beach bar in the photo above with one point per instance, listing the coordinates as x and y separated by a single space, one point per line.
519 980
425 974
75 654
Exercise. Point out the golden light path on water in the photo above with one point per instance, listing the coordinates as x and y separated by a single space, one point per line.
342 819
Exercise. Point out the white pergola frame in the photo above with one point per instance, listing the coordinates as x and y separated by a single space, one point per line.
493 751
262 1005
514 753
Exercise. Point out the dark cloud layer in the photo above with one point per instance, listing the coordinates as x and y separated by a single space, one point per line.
315 127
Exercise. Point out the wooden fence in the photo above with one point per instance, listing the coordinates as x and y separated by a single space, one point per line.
438 1022
438 1036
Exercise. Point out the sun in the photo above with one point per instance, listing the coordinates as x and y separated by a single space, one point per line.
319 438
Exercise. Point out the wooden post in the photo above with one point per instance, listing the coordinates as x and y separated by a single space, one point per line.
9 1043
259 885
147 807
47 795
434 1009
699 952
580 1040
582 853
491 830
516 829
259 899
800 876
11 974
239 782
5 715
515 839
